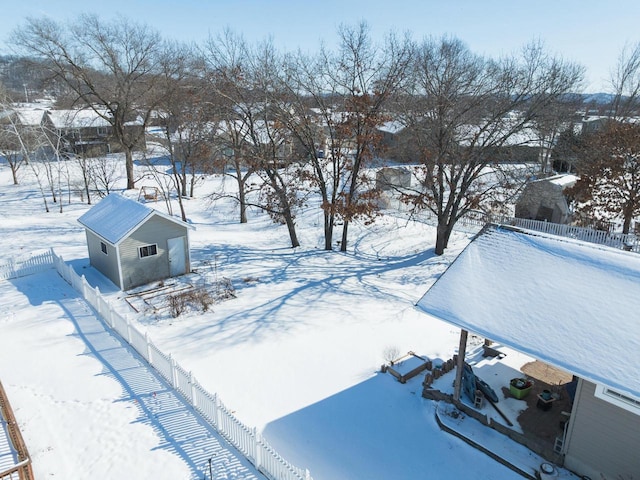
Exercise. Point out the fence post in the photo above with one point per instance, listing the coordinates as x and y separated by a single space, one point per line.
192 382
257 449
148 341
110 315
84 287
174 373
218 419
98 302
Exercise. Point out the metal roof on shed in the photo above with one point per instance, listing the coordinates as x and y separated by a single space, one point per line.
114 217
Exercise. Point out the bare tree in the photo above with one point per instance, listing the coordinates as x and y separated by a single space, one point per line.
247 81
462 112
625 82
185 123
104 174
109 66
10 146
226 59
35 146
367 76
336 102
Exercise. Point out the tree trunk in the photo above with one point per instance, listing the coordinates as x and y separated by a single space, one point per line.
343 241
442 238
628 217
328 230
131 182
14 173
183 180
291 227
242 198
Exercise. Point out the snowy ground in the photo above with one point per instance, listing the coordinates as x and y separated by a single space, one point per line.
296 354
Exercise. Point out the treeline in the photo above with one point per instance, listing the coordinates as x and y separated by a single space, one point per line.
309 124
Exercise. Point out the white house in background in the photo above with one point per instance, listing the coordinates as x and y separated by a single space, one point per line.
571 304
132 244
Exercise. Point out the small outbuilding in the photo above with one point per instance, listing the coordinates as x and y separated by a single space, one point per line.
544 199
132 244
393 178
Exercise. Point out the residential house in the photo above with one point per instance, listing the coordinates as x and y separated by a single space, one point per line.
89 132
572 305
132 244
80 131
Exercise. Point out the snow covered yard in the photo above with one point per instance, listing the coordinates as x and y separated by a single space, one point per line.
296 354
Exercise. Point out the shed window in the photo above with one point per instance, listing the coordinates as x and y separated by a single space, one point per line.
103 248
148 250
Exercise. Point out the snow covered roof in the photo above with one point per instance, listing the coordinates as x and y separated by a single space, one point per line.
30 117
571 304
564 180
392 126
77 118
115 216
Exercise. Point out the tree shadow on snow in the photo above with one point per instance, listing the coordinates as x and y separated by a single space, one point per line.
266 277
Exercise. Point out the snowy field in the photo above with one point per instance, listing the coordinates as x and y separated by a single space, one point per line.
296 354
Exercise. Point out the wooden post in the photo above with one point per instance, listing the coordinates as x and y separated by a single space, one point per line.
462 348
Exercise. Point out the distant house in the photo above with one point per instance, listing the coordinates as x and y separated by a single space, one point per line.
544 199
80 131
570 304
132 244
89 132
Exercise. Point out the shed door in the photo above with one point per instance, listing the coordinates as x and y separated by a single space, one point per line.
177 256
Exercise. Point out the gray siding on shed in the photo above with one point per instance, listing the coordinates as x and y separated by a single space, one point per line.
603 438
106 264
155 231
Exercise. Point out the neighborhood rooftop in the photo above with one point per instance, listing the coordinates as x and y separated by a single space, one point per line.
569 303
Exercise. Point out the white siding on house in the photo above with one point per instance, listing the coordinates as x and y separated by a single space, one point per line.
603 439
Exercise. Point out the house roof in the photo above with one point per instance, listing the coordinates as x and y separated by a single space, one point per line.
115 216
31 117
84 118
571 304
563 180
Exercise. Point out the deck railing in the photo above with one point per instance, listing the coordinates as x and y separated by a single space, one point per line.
22 469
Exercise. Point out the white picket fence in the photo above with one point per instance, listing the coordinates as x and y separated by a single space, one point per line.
473 224
629 242
22 268
247 440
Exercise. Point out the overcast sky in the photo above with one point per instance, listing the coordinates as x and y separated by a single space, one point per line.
589 32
